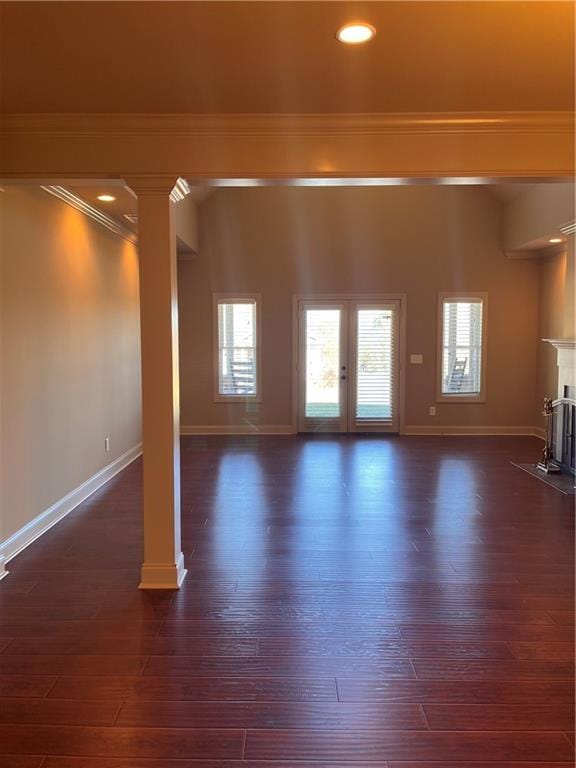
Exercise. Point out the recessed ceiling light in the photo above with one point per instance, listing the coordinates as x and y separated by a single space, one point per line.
356 33
106 198
555 240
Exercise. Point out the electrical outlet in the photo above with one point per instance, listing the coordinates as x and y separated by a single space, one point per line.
106 444
432 410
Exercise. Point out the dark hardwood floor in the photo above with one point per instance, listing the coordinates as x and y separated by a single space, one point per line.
351 602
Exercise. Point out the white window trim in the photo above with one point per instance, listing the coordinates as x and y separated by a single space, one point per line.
236 298
461 296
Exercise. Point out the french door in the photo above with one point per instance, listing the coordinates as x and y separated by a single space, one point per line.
348 366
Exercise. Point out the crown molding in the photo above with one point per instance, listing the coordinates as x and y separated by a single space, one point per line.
174 188
152 184
180 191
68 197
286 124
386 148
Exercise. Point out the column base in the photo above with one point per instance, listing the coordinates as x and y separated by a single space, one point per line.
160 576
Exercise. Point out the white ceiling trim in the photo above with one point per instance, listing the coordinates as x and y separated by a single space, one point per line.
568 229
181 189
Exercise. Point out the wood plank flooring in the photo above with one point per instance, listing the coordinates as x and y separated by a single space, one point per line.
351 602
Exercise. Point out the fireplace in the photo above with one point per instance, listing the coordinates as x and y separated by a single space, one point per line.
565 422
567 436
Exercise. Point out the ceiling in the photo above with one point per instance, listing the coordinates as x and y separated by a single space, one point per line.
282 57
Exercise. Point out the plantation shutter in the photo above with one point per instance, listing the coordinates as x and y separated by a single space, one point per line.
237 348
462 347
375 361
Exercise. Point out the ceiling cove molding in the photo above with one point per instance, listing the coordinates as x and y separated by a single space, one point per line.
68 197
281 125
181 189
568 229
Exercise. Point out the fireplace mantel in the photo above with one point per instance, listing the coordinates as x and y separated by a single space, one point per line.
566 360
566 349
562 343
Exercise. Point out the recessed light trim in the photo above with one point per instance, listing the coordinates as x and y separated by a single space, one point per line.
355 33
106 198
555 240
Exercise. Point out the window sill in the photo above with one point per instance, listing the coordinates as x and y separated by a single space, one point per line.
460 398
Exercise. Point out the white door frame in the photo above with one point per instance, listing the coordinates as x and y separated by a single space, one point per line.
351 297
353 306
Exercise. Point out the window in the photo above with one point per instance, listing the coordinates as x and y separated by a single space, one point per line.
237 340
461 347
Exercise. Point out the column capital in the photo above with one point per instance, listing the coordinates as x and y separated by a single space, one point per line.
152 185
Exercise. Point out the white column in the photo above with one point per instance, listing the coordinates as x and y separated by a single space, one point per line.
163 566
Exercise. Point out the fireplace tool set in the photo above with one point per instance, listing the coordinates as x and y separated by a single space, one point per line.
547 463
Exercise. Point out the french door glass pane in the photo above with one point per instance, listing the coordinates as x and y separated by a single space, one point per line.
374 365
322 363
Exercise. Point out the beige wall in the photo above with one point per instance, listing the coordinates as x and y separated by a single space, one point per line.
71 352
186 225
569 324
551 325
535 215
413 240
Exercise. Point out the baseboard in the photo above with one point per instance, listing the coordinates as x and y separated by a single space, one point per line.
238 429
470 430
287 429
162 575
44 521
540 432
